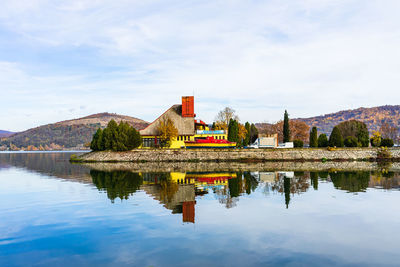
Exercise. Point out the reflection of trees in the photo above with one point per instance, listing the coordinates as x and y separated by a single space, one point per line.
243 183
168 188
121 184
52 164
314 180
297 184
351 181
384 179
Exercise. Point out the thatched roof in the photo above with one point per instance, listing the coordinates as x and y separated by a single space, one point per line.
185 125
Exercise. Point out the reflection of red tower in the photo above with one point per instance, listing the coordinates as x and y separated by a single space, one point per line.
188 211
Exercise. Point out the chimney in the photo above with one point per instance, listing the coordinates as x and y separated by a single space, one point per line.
188 106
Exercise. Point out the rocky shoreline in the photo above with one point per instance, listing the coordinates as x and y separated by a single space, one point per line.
242 155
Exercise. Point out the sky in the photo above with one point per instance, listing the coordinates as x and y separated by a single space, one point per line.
61 60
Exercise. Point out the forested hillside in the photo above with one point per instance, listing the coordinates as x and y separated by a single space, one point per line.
5 133
69 134
374 118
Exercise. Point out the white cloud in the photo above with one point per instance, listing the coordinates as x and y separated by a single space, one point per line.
310 57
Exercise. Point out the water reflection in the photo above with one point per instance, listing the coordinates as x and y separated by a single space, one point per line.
177 191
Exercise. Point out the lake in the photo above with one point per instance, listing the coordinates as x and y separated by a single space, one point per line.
54 213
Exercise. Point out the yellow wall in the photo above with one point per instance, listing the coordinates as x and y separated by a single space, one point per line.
179 142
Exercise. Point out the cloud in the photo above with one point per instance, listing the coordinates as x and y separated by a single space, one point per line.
259 57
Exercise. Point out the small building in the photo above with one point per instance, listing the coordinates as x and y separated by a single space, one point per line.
266 141
183 118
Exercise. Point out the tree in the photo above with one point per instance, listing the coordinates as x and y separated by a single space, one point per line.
336 139
376 139
247 139
100 143
167 132
322 140
314 137
298 130
356 129
350 141
112 135
389 131
387 142
253 133
233 131
242 133
134 138
286 129
95 139
224 117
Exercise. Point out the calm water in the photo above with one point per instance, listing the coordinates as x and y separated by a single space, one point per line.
57 214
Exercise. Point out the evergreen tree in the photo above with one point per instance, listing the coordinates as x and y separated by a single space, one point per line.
100 145
134 139
95 139
247 139
286 130
336 139
253 133
122 136
113 135
314 137
323 140
106 140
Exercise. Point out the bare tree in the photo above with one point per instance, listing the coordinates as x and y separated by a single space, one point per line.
224 116
388 131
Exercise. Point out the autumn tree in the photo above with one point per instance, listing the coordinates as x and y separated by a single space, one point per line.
167 132
247 140
298 130
224 117
242 133
336 139
388 131
286 127
376 139
314 137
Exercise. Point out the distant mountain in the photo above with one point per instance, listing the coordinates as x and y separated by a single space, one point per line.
66 134
372 117
5 133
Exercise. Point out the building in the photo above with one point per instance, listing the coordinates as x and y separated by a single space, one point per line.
183 117
266 141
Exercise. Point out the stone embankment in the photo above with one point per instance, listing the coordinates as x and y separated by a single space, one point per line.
242 166
232 155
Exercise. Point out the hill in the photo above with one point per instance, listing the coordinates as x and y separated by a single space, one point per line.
70 134
372 117
5 133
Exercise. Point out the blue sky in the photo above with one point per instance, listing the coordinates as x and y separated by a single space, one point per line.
66 59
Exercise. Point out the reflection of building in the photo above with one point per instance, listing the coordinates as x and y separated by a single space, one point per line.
189 129
178 190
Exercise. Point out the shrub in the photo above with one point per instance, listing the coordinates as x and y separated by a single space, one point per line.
336 139
322 140
383 154
387 142
298 143
376 139
351 141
